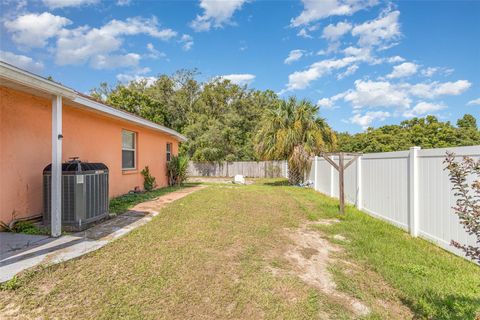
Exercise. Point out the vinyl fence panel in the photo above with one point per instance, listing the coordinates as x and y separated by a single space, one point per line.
385 186
324 176
437 221
409 189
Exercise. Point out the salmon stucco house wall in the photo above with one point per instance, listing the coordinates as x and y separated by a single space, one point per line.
43 122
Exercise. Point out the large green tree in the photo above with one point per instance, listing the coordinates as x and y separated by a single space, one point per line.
293 131
218 117
426 132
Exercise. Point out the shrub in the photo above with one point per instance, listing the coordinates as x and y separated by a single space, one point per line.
148 180
468 199
177 169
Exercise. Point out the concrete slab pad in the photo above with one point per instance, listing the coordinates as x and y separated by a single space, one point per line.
11 243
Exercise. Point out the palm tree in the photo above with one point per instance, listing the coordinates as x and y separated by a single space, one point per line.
293 131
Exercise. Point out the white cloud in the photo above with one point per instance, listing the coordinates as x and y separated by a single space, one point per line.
474 102
33 30
304 34
55 4
325 103
431 71
294 55
350 70
127 78
240 79
377 94
399 97
302 79
405 69
216 14
423 108
79 45
137 74
114 61
380 31
329 103
123 3
435 89
154 53
334 32
395 59
187 42
315 10
365 120
21 61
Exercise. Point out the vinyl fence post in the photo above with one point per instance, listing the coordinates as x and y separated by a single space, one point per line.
413 219
286 169
359 184
315 171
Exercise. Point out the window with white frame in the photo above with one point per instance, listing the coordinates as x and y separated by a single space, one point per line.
169 151
129 150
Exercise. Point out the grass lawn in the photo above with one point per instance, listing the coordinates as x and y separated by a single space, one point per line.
219 253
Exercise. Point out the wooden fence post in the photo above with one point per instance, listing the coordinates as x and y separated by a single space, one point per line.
413 218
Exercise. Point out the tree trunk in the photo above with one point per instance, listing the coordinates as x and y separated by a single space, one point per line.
295 174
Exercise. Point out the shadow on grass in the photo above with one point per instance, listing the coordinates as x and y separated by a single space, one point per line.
274 183
454 307
123 203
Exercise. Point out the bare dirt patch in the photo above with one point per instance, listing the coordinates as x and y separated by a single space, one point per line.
311 255
318 262
340 237
10 311
220 180
327 222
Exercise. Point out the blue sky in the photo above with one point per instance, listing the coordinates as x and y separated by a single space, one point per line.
364 62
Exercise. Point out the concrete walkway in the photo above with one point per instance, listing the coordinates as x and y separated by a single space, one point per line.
19 252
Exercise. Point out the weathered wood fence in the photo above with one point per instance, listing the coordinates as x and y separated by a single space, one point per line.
252 169
409 189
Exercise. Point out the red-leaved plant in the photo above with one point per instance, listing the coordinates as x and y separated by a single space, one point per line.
468 199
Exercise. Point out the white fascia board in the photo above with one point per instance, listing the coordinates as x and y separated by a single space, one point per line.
31 80
126 116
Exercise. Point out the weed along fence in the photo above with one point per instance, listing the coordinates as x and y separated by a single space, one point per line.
252 169
409 189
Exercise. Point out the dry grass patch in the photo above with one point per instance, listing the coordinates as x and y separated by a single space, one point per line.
202 257
243 252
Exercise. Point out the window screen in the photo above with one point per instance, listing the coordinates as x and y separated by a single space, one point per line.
169 151
128 149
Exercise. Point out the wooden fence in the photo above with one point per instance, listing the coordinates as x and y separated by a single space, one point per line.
252 169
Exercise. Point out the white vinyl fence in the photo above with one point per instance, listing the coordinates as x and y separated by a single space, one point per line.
409 189
251 169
